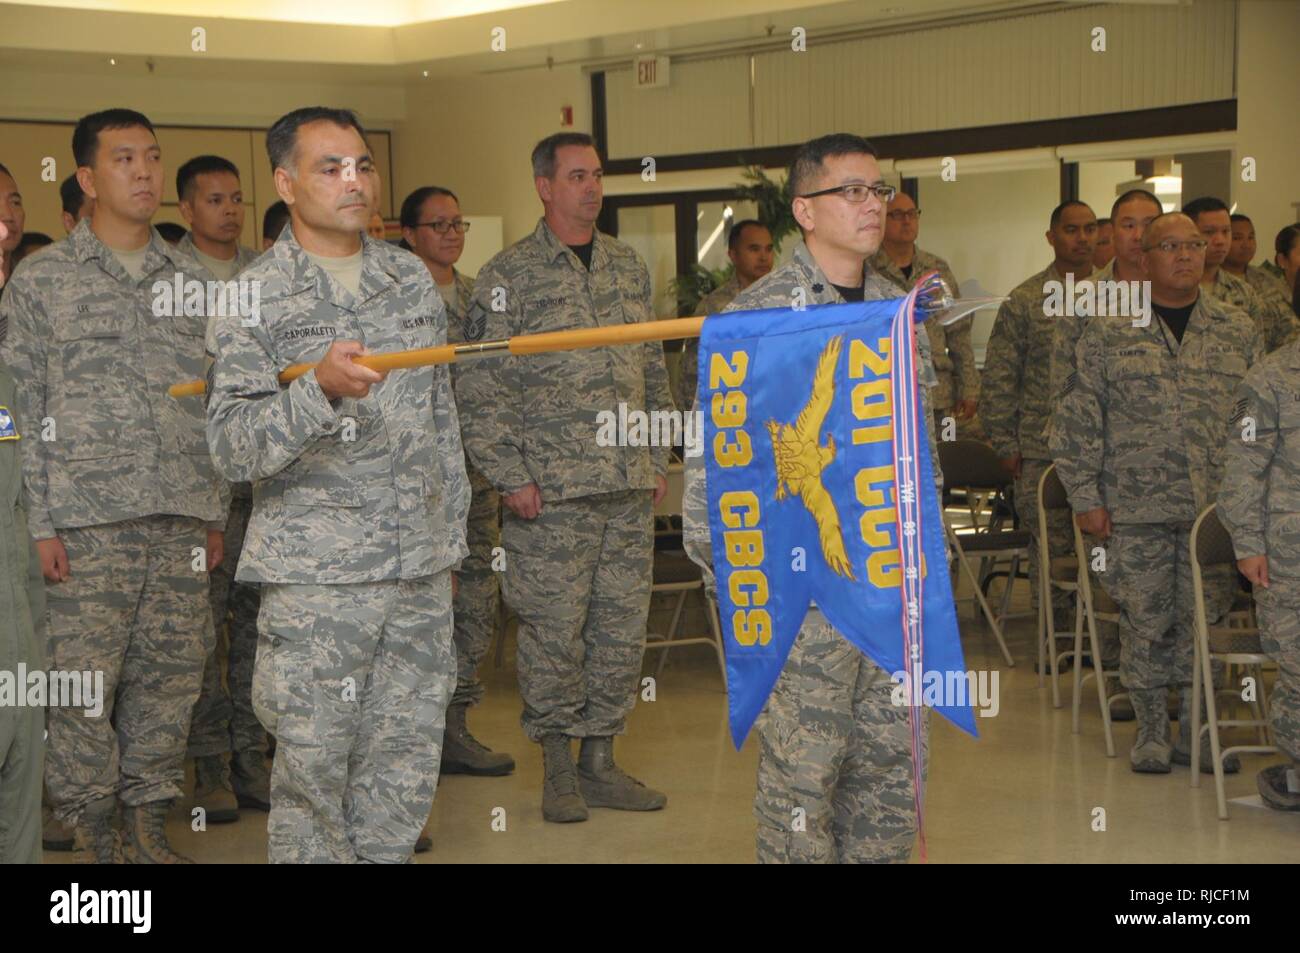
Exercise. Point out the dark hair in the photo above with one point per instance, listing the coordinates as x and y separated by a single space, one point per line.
71 195
1286 239
274 219
29 243
187 175
1132 194
1198 207
808 160
171 232
5 169
1235 219
543 157
85 138
1055 218
737 230
409 217
1103 221
282 137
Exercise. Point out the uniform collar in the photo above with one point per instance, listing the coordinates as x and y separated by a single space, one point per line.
377 272
243 256
87 247
555 249
821 285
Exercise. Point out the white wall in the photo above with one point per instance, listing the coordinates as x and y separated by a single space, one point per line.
1015 68
1097 181
1268 100
990 226
474 136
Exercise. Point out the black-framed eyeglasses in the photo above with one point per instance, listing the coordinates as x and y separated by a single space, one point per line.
441 227
857 194
903 215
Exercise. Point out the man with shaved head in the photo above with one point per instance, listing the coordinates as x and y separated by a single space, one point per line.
1138 440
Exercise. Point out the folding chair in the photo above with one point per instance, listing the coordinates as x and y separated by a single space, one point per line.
1070 574
1233 645
675 572
973 466
1063 573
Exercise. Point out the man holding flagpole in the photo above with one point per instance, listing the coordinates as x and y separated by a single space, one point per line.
836 772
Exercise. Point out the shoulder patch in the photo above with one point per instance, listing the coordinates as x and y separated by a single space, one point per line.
8 429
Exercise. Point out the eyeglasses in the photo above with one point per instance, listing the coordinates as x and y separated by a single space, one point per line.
904 215
857 194
1169 246
441 227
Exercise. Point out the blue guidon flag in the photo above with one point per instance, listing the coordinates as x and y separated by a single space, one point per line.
821 490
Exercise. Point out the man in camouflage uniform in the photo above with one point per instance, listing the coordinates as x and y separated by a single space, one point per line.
1130 215
833 743
1138 439
1270 312
1017 387
1242 253
1258 504
578 527
903 263
224 725
359 503
123 501
22 642
751 250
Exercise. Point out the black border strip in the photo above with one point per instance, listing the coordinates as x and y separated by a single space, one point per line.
1215 116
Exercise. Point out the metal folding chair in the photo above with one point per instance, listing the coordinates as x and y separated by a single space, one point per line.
1233 645
973 467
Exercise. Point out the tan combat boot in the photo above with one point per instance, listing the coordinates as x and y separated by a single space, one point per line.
212 790
462 753
605 784
251 779
561 801
1151 752
1279 791
146 841
96 836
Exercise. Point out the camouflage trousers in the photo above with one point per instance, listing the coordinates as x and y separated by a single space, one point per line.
1278 608
224 719
1060 535
477 606
134 608
1107 632
835 769
1149 576
353 680
578 577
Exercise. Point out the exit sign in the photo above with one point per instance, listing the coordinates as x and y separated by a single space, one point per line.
650 71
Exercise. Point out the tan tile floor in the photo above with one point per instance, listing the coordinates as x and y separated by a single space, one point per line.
1024 792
